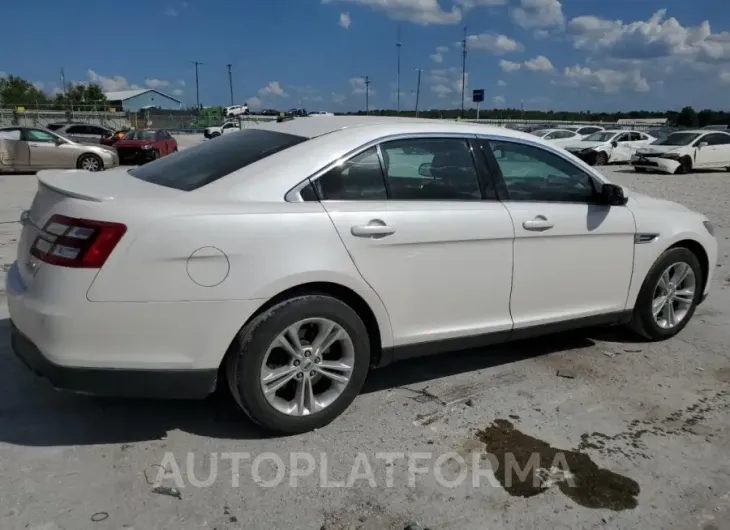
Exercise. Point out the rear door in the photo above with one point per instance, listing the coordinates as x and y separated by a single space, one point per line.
427 235
622 150
13 150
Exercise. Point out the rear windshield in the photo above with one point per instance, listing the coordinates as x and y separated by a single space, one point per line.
197 166
140 135
54 126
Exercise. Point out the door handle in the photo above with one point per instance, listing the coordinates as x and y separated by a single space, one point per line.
538 224
374 229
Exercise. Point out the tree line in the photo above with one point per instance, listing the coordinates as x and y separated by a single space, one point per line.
17 92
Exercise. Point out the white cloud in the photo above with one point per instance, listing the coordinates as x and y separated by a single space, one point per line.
538 14
424 12
471 4
498 100
539 64
604 80
446 81
156 83
509 66
181 82
3 75
273 89
110 84
657 37
492 42
442 49
38 84
358 86
725 77
177 92
441 90
170 12
501 83
345 20
437 58
338 99
254 103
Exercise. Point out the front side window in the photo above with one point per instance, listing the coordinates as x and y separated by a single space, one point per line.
430 169
358 179
717 139
601 136
535 174
563 135
34 135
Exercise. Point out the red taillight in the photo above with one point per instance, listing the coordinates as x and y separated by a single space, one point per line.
79 243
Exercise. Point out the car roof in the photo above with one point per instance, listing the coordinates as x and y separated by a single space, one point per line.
312 128
702 131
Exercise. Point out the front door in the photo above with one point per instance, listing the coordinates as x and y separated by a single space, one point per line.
572 258
13 150
716 153
46 152
421 235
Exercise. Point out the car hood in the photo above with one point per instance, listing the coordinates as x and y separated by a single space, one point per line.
132 143
584 145
647 202
658 149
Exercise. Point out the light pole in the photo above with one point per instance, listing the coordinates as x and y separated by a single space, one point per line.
197 85
230 81
367 95
418 88
463 72
398 45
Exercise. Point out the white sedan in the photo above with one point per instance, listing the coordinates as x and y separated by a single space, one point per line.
682 151
558 136
289 260
606 147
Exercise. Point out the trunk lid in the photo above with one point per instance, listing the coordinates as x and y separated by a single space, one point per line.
70 192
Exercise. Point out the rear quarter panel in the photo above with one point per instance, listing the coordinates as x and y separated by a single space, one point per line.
268 248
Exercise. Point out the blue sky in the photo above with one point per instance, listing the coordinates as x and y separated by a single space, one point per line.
561 54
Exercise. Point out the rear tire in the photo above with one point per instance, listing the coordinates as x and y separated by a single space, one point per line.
657 328
258 351
90 162
215 135
601 159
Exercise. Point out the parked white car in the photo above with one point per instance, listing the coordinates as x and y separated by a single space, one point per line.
288 260
321 113
607 147
682 151
236 110
227 127
558 136
584 130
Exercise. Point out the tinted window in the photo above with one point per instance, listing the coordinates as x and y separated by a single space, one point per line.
140 135
717 139
78 129
634 137
561 135
677 139
35 135
430 169
358 179
193 168
590 130
601 136
54 126
535 174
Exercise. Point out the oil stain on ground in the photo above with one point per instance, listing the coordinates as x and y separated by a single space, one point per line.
526 466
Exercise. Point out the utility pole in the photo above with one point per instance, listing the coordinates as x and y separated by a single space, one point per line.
197 85
522 109
398 45
463 72
418 88
63 82
367 95
230 81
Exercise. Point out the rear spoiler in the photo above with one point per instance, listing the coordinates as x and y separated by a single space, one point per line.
61 181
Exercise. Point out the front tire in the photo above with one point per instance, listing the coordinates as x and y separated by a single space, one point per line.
685 166
669 296
298 365
601 159
91 163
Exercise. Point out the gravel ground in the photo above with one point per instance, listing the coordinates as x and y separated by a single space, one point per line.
643 428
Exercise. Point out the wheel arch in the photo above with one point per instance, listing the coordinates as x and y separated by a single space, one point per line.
698 250
379 354
88 153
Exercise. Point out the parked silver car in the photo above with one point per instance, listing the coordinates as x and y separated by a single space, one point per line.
33 149
81 132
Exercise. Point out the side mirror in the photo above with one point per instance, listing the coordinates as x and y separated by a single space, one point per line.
702 144
612 195
425 169
614 143
59 141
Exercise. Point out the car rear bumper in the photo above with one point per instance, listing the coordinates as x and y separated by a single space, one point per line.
164 384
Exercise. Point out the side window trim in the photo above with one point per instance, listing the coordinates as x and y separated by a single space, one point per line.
294 194
502 194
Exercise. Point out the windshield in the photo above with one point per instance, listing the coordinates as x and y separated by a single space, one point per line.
197 166
602 136
571 128
140 135
541 132
677 139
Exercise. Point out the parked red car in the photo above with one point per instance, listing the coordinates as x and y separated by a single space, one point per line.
114 138
139 146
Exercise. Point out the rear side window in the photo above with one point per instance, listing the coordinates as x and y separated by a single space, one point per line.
193 168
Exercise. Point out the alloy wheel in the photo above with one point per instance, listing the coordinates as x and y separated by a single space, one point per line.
674 295
307 367
90 164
